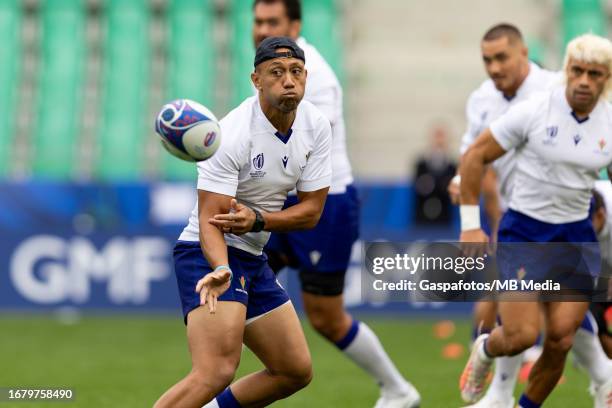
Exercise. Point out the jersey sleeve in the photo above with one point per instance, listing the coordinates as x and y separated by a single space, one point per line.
511 129
326 100
219 174
474 124
317 173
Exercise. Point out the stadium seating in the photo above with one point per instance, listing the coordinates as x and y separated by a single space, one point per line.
582 16
125 86
191 65
60 80
10 72
321 27
242 50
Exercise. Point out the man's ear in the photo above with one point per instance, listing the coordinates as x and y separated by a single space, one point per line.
294 28
256 80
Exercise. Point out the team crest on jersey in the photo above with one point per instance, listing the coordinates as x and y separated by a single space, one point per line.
551 135
602 145
577 139
258 163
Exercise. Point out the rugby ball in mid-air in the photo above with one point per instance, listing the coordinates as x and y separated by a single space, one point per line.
188 130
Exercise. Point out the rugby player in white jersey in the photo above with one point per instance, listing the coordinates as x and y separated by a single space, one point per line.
322 255
602 223
272 143
601 311
562 138
512 79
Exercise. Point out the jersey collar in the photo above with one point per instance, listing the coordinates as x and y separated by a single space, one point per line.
269 127
568 108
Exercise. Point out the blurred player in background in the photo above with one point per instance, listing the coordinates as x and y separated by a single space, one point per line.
271 144
602 311
322 255
562 138
602 223
512 79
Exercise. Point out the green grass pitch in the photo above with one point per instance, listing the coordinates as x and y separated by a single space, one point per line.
130 361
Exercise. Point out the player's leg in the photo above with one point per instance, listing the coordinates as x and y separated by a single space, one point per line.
275 335
215 344
590 353
484 318
324 254
356 340
278 341
519 331
562 321
521 325
501 391
602 312
606 342
327 316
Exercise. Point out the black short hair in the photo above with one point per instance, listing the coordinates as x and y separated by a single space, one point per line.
503 30
293 7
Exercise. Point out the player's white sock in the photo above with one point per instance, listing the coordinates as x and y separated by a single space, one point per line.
504 379
589 353
367 352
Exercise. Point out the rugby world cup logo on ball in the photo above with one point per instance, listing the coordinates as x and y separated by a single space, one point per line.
188 130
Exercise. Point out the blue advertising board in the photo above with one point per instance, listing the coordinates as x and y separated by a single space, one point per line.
109 247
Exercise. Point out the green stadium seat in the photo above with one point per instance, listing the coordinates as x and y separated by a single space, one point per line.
191 66
242 50
60 82
10 68
125 82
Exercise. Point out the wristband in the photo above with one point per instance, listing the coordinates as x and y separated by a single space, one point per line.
470 217
225 267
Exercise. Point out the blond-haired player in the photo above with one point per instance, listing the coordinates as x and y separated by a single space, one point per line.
562 138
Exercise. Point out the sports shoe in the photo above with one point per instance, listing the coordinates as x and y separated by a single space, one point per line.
603 395
411 399
492 401
474 377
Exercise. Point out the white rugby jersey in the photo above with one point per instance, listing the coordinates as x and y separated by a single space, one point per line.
558 157
259 166
324 91
487 103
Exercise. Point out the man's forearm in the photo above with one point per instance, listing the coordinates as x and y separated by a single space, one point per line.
213 244
492 203
472 169
298 217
